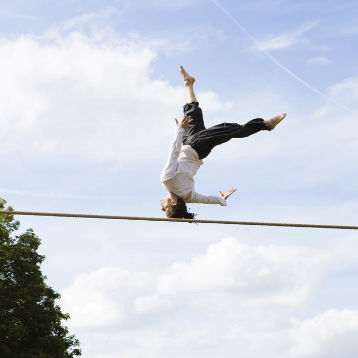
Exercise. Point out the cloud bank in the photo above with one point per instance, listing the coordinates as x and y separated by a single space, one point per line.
233 298
86 96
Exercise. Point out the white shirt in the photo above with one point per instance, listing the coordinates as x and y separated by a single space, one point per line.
177 175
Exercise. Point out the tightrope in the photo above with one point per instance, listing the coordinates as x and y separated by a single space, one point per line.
198 221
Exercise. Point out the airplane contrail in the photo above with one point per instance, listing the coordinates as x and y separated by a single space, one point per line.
278 63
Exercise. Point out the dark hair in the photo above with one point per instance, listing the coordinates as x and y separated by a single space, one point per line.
180 211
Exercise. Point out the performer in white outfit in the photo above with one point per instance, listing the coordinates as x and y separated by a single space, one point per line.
192 143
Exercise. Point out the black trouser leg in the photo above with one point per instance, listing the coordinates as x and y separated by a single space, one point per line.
197 121
204 141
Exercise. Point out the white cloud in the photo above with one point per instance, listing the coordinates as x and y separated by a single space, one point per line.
211 102
346 91
84 96
324 148
318 60
331 334
334 117
228 274
248 275
232 298
90 18
285 40
104 297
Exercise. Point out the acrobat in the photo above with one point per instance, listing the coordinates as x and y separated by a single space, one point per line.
193 142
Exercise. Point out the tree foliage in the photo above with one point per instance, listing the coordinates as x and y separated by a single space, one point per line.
30 320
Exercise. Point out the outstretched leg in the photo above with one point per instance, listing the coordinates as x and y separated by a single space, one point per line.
189 83
204 141
191 108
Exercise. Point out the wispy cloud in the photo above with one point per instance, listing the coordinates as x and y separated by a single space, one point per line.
90 18
285 40
347 31
13 15
44 195
189 38
318 60
173 4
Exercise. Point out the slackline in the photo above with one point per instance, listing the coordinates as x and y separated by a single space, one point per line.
199 221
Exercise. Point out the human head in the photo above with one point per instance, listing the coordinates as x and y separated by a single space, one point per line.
167 203
178 210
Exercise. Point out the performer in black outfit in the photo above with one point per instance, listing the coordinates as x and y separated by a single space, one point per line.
194 142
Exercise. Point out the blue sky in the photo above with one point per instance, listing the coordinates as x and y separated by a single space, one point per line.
89 94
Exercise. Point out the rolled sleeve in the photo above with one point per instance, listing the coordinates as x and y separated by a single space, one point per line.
208 199
172 162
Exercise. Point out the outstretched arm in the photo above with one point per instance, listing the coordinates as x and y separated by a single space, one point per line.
207 199
171 165
212 199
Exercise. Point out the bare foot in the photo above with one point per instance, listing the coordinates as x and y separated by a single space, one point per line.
274 121
188 80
